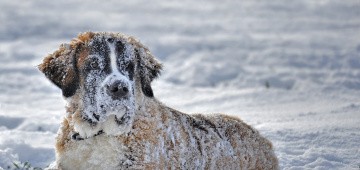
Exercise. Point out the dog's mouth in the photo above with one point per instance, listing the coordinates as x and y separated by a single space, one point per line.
93 118
119 121
113 125
76 135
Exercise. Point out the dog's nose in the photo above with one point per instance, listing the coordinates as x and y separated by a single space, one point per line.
117 89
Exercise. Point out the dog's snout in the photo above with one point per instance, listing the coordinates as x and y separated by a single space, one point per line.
117 89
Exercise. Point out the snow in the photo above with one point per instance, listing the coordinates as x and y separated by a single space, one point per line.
291 70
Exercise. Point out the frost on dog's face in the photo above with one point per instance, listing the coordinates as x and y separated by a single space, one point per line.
106 69
97 74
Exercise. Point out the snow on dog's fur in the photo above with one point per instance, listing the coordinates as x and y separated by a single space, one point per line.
113 120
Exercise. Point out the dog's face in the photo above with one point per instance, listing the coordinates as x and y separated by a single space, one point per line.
100 75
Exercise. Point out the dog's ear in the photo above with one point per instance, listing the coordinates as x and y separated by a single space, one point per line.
148 68
60 68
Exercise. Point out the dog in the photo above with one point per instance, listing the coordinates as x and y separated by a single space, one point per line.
113 120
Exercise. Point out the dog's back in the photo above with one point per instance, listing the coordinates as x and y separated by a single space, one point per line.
216 141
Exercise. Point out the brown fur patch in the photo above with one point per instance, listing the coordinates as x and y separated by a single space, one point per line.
145 133
48 60
62 139
83 53
83 38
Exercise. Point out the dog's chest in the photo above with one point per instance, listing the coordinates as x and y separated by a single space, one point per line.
100 152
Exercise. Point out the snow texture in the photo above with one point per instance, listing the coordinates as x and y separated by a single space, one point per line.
290 69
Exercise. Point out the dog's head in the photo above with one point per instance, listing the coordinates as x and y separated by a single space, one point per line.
100 74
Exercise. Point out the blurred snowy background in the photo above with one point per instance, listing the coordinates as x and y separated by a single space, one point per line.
291 69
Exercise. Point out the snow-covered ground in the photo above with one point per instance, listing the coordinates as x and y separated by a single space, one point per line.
289 68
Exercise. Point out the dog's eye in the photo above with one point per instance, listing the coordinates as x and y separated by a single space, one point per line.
94 65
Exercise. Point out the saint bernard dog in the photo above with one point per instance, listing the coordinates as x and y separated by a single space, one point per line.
113 120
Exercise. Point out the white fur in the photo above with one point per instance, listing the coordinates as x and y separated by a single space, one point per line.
113 58
106 156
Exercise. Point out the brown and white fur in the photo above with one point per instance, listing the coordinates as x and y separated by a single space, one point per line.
113 120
